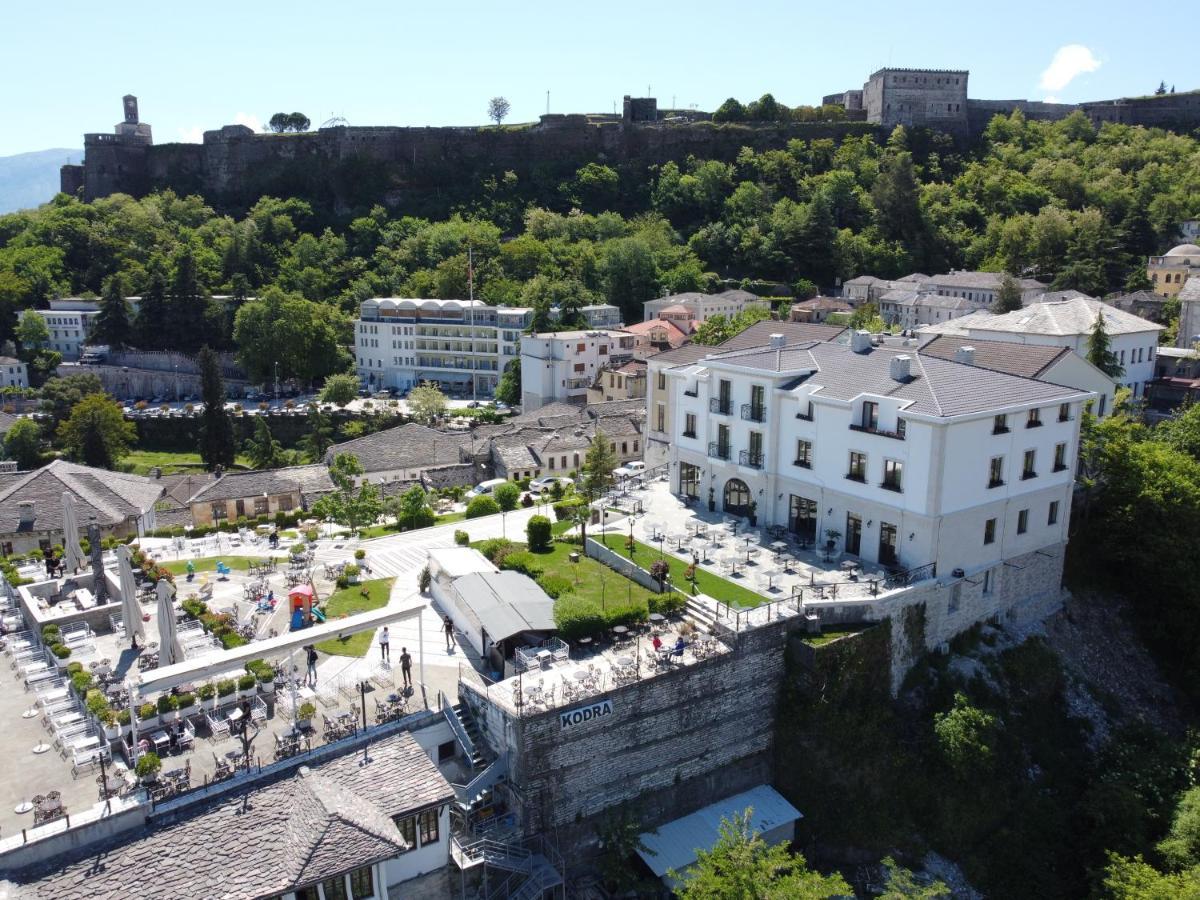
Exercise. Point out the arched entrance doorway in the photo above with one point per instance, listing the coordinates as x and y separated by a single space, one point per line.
737 498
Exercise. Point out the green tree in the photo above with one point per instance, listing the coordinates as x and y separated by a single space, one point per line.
539 533
304 338
113 326
498 109
718 329
730 111
353 504
339 389
507 495
620 835
187 306
319 436
1135 879
965 737
867 318
743 866
264 450
60 395
903 885
508 388
32 332
217 446
23 443
151 324
483 505
1099 353
1181 847
630 275
96 432
412 509
1008 298
426 403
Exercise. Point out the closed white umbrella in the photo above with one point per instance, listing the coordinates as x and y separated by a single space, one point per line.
71 549
131 611
168 644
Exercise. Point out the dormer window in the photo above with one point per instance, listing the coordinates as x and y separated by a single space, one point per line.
870 415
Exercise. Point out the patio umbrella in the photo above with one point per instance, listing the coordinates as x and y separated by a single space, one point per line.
131 611
168 644
74 553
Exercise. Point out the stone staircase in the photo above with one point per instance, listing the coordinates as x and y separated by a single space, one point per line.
701 611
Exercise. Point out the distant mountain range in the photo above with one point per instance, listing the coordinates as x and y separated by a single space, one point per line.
31 179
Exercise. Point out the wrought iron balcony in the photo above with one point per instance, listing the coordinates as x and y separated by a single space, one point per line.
892 486
718 450
752 413
875 429
995 482
720 405
751 460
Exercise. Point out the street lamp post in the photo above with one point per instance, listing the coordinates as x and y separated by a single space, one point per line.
276 379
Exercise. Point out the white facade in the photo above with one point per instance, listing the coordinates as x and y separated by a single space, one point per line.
563 365
13 373
69 329
921 489
704 306
979 288
461 345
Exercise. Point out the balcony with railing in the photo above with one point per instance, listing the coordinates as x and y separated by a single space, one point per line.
722 406
752 413
717 450
691 392
751 459
875 429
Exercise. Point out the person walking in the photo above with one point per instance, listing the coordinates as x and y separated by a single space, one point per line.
311 675
385 653
448 627
406 666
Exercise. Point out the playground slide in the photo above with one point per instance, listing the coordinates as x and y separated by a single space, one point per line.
318 615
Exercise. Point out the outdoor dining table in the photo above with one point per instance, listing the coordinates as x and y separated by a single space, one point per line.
620 631
657 620
770 575
751 550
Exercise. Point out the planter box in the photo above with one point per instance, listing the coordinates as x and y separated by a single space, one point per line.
266 687
187 711
147 724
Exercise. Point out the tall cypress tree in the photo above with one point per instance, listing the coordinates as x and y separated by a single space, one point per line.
1099 353
150 327
112 323
217 447
187 304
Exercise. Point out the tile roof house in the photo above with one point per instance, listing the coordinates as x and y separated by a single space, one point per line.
31 503
406 451
6 422
656 335
236 495
818 309
340 820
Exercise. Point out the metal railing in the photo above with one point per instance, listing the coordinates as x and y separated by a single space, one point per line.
718 450
751 460
911 576
752 413
875 429
720 405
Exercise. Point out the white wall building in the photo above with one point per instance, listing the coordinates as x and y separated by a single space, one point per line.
70 321
910 460
1069 323
13 373
561 365
461 345
704 306
979 288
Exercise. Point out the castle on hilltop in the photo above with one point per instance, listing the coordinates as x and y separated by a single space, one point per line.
937 99
422 169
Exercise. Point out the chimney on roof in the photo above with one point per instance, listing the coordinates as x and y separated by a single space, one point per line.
965 355
25 510
860 341
901 367
777 342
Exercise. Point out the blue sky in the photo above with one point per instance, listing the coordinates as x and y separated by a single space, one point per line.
200 65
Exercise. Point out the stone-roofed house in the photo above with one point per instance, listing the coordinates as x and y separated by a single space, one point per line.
405 452
31 504
263 492
1144 304
351 828
7 421
978 288
818 309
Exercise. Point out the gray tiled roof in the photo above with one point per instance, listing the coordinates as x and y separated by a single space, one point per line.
307 480
410 446
1066 317
935 386
256 842
759 334
112 497
550 410
1025 360
6 421
983 280
506 603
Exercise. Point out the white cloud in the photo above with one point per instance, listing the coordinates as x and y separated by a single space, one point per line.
1070 61
251 121
192 135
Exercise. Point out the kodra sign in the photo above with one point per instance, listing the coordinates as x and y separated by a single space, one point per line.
596 710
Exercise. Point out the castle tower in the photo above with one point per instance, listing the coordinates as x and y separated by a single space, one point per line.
131 109
132 130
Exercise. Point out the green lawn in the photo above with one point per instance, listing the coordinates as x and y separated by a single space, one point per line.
828 635
593 581
209 563
380 530
347 602
706 582
140 462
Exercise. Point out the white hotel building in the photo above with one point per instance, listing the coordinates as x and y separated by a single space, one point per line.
909 459
461 345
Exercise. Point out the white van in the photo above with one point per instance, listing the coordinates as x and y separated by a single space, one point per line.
486 487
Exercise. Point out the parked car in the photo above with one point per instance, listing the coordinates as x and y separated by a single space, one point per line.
485 487
547 482
630 470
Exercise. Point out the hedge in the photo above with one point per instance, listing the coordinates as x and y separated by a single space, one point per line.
578 617
483 505
521 561
538 533
566 508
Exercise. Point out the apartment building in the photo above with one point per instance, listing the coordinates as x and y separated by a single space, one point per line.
70 322
901 459
13 373
562 365
463 346
698 306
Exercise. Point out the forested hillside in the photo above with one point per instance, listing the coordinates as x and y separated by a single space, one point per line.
1063 201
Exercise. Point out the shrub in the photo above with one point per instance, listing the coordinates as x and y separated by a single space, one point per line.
96 702
185 700
49 633
247 681
565 509
147 711
522 561
225 687
341 583
351 571
495 549
527 500
555 585
461 538
61 651
74 668
164 704
296 549
507 495
231 639
361 554
311 535
667 603
538 534
123 717
148 765
483 505
81 681
306 711
424 579
206 691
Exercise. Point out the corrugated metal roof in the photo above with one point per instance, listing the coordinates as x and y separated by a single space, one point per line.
506 603
674 845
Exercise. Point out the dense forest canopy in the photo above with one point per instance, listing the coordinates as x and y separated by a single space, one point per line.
1063 201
